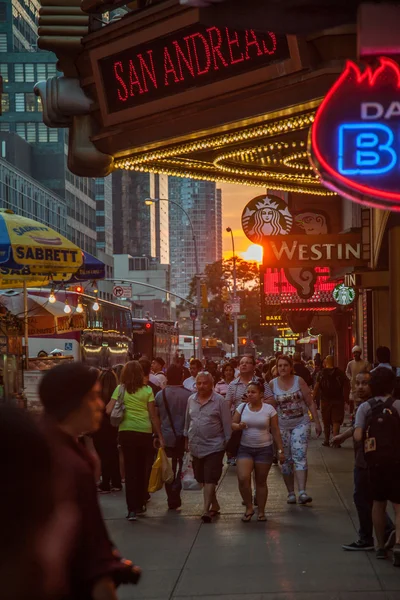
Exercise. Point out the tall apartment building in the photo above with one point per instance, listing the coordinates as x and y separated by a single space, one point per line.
141 230
21 66
202 201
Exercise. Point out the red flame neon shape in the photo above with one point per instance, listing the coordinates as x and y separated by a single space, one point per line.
342 103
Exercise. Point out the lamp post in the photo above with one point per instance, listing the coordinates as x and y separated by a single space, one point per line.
235 320
149 202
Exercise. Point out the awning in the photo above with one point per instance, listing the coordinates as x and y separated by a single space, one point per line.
308 340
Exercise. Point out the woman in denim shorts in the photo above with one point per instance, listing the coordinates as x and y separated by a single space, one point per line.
259 425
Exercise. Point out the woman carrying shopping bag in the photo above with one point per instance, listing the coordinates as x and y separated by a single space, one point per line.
171 404
135 434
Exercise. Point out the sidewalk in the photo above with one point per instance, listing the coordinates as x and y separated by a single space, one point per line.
296 555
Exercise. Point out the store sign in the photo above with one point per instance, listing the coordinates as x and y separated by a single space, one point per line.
343 294
308 250
188 58
355 138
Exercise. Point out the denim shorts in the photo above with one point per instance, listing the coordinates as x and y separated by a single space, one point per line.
263 455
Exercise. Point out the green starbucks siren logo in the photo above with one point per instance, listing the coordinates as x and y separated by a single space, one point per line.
343 295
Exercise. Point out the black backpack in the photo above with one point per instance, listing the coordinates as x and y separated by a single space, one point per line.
331 384
382 433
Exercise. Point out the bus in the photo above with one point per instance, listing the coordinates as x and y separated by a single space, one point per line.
105 339
155 338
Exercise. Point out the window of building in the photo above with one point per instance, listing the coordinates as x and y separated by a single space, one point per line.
19 102
30 102
24 73
4 126
3 12
3 42
53 135
31 132
4 72
5 103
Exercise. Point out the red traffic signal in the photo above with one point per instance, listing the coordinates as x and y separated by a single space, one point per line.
148 326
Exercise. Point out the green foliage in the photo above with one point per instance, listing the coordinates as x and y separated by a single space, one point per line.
219 275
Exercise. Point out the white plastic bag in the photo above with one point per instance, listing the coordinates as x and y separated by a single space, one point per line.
188 480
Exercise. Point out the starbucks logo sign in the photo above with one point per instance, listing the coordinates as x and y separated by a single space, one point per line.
343 295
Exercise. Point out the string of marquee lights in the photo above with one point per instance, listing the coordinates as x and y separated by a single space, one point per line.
280 127
242 180
290 161
170 161
221 163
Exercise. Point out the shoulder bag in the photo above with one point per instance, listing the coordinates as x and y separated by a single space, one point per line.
118 412
179 439
232 446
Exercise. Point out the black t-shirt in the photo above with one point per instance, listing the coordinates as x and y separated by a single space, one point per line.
302 371
154 387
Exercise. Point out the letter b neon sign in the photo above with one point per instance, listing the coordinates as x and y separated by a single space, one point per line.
365 149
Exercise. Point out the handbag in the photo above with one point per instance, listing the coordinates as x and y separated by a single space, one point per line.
179 439
232 446
118 412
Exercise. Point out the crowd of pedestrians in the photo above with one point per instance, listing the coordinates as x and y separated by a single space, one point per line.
257 413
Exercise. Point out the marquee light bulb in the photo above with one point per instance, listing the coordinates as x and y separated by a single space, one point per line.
67 308
96 306
52 297
79 308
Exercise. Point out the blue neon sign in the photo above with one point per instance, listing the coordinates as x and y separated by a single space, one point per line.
365 149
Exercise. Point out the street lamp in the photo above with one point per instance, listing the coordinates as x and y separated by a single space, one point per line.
235 320
149 202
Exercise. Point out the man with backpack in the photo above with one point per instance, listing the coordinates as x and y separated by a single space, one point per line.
377 424
331 384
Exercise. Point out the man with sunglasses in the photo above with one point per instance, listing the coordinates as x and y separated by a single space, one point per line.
238 388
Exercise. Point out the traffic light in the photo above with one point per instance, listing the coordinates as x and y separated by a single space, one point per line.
75 288
225 294
204 296
243 341
228 317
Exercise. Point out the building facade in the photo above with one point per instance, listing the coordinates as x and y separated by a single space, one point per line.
21 66
203 203
139 229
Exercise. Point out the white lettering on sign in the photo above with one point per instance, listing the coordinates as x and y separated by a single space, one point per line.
372 111
316 252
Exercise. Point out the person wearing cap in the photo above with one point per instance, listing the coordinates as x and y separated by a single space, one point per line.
71 397
355 367
157 366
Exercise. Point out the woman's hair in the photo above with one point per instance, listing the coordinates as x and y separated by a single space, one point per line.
287 358
108 382
132 376
225 366
174 375
258 383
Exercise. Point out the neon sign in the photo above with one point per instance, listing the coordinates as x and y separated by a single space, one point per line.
190 57
355 138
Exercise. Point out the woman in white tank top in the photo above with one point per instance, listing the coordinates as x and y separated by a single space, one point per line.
292 400
258 422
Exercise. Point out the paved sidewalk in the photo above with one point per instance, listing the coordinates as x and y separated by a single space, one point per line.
296 555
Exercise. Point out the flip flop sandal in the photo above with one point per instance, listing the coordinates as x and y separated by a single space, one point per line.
214 513
247 517
261 518
206 518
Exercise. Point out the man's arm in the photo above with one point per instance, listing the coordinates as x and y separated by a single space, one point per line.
226 417
360 421
348 371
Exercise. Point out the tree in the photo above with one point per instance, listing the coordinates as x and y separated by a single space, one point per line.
218 278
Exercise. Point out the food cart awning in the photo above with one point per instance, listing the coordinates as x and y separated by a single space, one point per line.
44 318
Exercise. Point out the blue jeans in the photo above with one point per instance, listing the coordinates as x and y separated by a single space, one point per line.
363 501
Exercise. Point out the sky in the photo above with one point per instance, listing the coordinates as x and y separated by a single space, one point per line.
234 199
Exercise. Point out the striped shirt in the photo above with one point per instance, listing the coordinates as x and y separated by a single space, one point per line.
237 391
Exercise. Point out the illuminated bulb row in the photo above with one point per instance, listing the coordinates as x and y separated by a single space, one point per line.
317 191
288 161
267 130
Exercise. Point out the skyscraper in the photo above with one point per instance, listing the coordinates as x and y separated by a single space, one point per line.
21 66
202 201
141 230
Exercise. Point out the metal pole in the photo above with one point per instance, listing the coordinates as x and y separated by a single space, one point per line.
26 331
235 319
194 337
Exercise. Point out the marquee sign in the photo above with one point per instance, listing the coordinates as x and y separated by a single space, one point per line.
355 138
191 57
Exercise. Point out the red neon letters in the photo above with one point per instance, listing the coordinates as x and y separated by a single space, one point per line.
191 57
